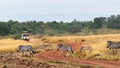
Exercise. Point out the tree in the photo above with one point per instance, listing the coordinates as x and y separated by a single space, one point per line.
4 30
113 22
98 22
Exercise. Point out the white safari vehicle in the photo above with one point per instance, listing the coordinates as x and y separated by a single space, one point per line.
25 36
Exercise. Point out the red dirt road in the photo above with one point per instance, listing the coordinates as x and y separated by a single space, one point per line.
56 55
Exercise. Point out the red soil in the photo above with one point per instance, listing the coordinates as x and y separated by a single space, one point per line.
56 55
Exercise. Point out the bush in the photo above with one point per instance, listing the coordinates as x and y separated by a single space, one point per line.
79 54
16 36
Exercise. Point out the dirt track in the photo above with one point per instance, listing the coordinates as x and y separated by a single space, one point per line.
56 55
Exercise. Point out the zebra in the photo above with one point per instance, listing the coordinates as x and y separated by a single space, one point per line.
113 45
65 48
25 48
86 48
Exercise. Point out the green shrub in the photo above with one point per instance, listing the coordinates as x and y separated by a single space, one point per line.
16 36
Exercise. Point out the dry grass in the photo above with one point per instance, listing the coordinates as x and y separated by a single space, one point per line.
90 38
98 43
9 45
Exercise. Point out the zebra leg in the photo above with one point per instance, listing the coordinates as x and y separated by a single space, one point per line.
71 52
90 51
85 51
64 53
70 55
113 51
22 53
31 54
116 51
61 54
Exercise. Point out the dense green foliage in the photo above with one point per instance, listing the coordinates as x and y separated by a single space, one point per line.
53 28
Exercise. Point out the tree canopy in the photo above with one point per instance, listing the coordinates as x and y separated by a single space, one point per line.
54 27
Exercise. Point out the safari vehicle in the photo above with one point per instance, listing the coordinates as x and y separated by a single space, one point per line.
25 36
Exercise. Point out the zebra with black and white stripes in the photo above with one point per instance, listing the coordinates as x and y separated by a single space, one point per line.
25 48
65 48
86 48
113 45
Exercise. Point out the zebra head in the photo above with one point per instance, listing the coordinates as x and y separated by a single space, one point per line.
59 46
81 48
109 43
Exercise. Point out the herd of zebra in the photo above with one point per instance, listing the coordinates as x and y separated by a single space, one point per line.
28 48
